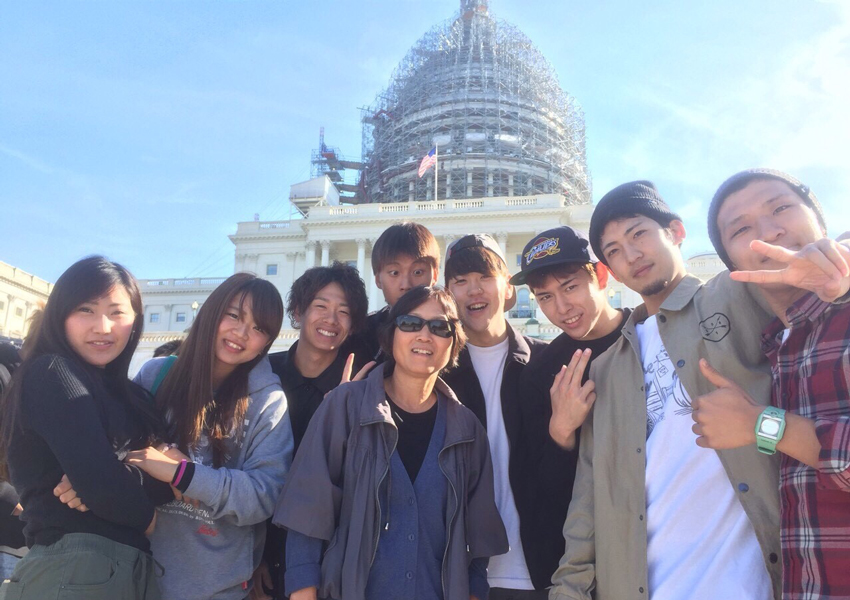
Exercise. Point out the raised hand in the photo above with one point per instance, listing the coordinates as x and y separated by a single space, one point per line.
822 267
68 496
571 401
349 365
725 418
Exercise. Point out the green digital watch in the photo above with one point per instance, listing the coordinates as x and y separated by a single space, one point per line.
770 427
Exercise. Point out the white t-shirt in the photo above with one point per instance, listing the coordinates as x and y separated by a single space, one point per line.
700 545
507 570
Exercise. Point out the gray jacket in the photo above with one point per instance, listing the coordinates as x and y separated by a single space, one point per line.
211 552
332 492
605 530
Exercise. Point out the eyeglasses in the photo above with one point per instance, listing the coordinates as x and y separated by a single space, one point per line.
411 323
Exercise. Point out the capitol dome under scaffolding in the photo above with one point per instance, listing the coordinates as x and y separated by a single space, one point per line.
481 91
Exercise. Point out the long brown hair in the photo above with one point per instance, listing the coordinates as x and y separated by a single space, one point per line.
191 405
85 280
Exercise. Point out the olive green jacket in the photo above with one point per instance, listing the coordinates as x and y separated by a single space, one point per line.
605 530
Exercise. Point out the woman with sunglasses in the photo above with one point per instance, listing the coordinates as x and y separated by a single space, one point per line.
391 493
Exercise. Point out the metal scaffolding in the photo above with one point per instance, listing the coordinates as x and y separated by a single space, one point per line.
482 91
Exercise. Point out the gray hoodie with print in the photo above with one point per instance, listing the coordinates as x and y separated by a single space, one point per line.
210 552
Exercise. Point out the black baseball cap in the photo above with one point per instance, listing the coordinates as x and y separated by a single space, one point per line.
475 240
558 246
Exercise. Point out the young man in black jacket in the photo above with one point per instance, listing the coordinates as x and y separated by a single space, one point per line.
487 380
570 287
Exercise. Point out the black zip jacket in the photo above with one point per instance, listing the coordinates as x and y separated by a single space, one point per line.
464 383
549 470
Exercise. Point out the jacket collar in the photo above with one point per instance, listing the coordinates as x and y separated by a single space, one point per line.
678 299
376 409
324 382
518 352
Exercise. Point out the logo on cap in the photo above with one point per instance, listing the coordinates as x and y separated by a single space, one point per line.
542 249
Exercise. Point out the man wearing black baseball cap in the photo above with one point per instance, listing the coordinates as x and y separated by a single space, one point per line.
487 381
570 287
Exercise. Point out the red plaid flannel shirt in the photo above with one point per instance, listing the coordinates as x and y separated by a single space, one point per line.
811 377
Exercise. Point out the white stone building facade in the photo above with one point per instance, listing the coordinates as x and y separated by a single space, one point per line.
21 294
281 251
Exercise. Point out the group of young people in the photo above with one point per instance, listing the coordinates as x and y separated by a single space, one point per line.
697 446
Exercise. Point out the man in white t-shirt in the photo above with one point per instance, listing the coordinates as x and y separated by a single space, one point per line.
653 515
487 381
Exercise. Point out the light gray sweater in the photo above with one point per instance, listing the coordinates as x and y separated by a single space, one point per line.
211 552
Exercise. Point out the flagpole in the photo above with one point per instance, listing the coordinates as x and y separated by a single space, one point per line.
436 169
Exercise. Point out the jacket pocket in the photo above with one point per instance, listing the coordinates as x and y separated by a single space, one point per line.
11 590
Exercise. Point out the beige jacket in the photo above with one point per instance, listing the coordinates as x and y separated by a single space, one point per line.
605 530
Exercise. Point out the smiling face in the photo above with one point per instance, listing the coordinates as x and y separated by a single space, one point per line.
403 273
770 211
643 255
481 302
326 322
421 353
99 330
574 301
239 339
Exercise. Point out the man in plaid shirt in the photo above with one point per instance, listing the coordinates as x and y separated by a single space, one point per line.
769 229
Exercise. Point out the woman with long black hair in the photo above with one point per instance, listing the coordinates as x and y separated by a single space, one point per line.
72 411
226 416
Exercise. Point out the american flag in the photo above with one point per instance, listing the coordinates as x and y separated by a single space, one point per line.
428 161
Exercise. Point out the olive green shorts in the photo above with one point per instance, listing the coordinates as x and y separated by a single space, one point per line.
83 566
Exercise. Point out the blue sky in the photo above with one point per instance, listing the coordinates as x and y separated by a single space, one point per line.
146 130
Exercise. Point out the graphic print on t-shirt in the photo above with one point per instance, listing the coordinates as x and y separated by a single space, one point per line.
662 383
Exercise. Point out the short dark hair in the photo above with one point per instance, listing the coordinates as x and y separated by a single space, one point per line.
537 278
408 238
167 349
475 260
306 287
412 300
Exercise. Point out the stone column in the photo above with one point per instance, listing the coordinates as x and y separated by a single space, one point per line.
311 254
9 299
167 316
376 296
361 255
502 238
292 260
326 252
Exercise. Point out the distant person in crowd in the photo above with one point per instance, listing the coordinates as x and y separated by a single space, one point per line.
487 381
570 287
232 443
167 349
71 411
326 305
653 515
391 492
769 229
404 256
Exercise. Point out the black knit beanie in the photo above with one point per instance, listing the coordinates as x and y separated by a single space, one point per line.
633 198
741 180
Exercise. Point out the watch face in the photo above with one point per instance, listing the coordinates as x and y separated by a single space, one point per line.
769 427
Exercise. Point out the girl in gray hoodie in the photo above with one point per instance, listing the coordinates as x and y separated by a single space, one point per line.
231 443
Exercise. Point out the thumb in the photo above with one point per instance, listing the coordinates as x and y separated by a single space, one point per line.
713 376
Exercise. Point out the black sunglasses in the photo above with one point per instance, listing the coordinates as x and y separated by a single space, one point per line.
411 323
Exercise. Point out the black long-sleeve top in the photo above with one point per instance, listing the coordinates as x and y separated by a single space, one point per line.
69 424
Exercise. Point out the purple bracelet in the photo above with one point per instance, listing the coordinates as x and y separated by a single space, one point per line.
179 475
